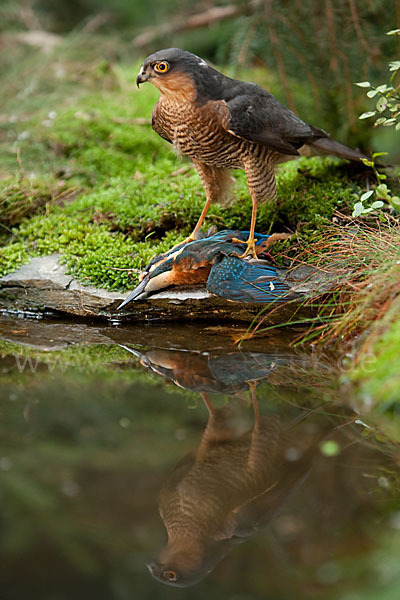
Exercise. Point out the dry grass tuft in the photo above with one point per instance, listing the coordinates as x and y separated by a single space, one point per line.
365 262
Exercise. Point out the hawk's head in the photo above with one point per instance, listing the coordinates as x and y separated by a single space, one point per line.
175 71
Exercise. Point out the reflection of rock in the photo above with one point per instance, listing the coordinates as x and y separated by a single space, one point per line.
45 334
43 285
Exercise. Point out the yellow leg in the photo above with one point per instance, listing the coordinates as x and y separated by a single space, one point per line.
261 181
252 387
207 402
255 457
251 242
200 221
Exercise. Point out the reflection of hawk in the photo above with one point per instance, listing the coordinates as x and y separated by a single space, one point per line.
222 123
226 490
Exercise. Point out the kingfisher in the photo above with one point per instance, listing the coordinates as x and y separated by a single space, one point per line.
215 262
213 372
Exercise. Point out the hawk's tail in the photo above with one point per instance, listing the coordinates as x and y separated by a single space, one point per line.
326 145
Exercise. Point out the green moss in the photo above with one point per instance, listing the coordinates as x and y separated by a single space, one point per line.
12 257
377 377
101 135
311 189
111 260
93 253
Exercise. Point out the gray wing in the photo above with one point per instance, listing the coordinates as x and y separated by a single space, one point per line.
257 116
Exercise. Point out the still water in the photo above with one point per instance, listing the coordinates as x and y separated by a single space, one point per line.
138 460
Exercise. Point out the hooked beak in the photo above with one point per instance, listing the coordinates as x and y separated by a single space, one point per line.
138 291
142 77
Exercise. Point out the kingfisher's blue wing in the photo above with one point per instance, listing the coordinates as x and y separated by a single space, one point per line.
225 235
236 368
236 279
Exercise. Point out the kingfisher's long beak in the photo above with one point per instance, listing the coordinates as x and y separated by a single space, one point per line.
142 77
149 284
138 291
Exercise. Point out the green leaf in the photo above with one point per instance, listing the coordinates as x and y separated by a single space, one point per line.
372 93
382 88
397 128
394 65
389 122
382 176
382 191
377 204
367 162
363 84
379 121
358 209
376 154
393 32
395 202
381 104
368 114
366 195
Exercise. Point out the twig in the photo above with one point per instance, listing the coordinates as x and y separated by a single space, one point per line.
281 69
204 19
131 269
135 121
96 22
371 50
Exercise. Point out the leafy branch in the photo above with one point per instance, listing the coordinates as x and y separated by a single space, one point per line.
387 106
380 194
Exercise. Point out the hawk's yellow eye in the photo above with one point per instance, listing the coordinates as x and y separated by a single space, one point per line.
161 67
170 575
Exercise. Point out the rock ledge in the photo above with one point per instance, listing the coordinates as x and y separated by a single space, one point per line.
43 286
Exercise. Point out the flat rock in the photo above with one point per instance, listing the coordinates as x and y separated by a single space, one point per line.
43 286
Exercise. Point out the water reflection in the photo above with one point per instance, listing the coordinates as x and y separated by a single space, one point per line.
268 456
228 372
227 489
241 474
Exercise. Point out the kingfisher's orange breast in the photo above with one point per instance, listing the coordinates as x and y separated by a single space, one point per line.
183 272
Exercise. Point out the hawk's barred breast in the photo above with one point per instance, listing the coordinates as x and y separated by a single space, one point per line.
194 131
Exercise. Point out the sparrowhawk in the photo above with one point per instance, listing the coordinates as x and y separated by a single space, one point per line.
222 124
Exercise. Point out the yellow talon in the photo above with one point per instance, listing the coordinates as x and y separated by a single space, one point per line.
250 249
